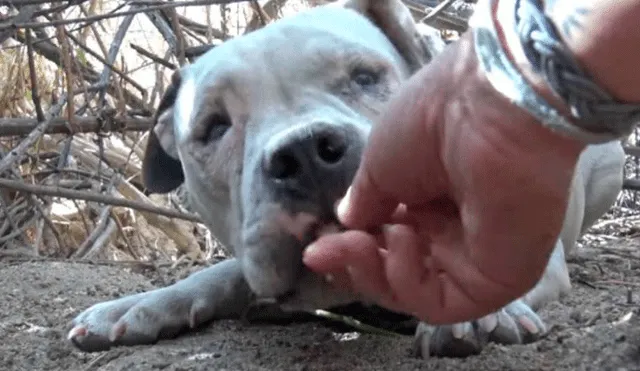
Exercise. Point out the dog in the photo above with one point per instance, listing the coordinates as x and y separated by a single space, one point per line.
266 132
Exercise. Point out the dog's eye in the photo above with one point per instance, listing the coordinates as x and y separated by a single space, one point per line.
216 125
365 77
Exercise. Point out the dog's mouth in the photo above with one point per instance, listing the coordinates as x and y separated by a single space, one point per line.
306 228
304 235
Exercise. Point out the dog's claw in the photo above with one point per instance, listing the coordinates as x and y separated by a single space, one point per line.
76 332
514 324
489 322
137 319
117 332
460 329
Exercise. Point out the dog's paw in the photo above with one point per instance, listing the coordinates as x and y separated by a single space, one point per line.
137 319
516 323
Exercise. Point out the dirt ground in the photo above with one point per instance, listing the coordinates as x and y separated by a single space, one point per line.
596 327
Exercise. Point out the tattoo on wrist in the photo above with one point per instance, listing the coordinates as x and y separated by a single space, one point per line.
567 15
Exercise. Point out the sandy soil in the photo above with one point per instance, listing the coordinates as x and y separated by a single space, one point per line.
40 297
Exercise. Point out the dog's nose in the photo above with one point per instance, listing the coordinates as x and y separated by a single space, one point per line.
313 153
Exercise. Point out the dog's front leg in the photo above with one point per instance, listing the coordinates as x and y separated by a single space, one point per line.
219 291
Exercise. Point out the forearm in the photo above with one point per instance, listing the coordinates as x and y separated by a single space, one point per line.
601 34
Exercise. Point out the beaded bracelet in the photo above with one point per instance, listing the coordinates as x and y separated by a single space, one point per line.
597 117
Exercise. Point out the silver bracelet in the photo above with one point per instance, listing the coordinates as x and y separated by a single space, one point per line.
591 125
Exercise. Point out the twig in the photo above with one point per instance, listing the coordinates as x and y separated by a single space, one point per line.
259 12
606 223
163 26
100 17
89 196
9 223
25 14
87 124
54 9
153 57
51 52
444 20
17 229
107 64
100 228
270 9
618 282
16 153
31 2
437 11
201 29
196 51
127 242
363 327
46 220
65 49
172 15
35 94
111 57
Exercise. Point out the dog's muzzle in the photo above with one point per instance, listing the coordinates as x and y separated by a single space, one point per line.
314 159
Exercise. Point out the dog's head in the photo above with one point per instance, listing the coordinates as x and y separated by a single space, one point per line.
267 130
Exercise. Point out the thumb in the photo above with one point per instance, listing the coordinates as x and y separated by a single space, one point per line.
401 160
364 205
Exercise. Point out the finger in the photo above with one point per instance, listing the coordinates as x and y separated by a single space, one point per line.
406 273
364 195
431 291
401 215
401 161
336 251
356 252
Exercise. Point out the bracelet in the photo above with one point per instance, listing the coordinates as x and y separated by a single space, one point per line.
597 120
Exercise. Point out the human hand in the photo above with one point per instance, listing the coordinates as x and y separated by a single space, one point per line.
458 201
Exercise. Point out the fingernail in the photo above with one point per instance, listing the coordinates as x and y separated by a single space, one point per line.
343 205
310 251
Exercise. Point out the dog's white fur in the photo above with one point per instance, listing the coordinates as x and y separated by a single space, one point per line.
326 71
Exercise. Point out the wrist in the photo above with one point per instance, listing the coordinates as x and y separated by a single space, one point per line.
606 53
562 74
505 24
525 60
525 131
603 52
510 122
529 95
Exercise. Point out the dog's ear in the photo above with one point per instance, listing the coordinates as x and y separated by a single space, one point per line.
161 167
417 43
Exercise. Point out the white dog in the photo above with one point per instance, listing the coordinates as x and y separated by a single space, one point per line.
266 132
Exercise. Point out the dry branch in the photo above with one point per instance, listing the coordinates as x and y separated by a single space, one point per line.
81 124
111 57
455 17
16 153
51 52
108 64
90 19
153 57
35 93
201 29
95 197
102 227
25 14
